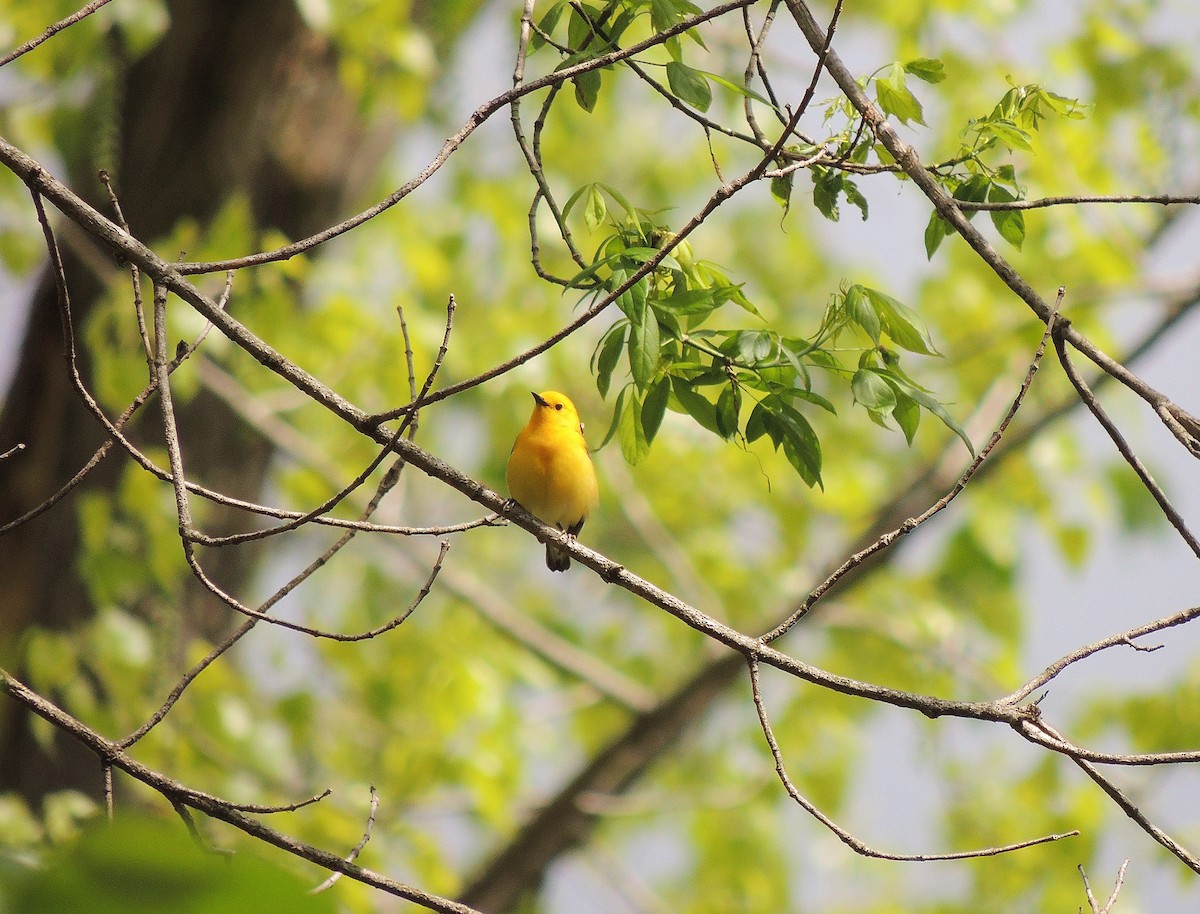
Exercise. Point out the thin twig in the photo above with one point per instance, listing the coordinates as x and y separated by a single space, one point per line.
1029 729
755 65
1112 898
135 274
1089 400
886 540
170 430
1131 810
1124 638
262 616
53 30
357 849
255 616
180 795
106 773
259 809
474 120
856 845
1042 202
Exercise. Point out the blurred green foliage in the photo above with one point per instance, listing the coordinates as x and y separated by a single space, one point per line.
726 418
152 866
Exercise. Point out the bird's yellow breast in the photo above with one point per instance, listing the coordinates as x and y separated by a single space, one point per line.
551 475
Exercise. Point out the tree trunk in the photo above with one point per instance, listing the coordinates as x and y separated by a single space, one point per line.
239 96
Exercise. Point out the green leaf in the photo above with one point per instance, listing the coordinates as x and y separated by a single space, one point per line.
810 396
688 302
634 445
587 89
662 15
574 198
654 407
727 412
547 24
935 230
901 323
665 13
580 33
633 300
800 444
622 201
725 291
732 86
608 352
1063 106
781 189
929 69
872 391
827 187
894 97
859 310
907 415
973 190
754 346
689 85
756 425
596 209
695 404
618 409
932 405
1010 223
1007 133
643 346
854 196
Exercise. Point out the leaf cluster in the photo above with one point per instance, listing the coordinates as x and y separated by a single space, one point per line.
740 383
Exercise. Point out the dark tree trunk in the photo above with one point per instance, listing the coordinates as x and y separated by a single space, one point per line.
239 96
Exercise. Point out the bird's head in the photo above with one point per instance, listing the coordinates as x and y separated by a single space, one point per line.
551 408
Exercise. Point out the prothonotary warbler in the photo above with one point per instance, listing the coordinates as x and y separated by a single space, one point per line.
549 472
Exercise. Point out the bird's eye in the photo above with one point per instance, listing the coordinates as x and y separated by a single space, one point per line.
558 406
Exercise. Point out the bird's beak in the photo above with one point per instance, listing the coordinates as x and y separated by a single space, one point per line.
537 398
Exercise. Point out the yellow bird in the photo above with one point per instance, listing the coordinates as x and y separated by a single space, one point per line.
549 472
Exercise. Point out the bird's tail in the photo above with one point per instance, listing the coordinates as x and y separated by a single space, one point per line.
556 559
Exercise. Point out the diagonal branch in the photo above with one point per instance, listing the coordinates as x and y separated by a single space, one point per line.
1089 400
1130 809
1186 428
911 523
855 844
182 796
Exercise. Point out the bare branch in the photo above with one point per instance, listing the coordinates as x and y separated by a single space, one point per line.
856 845
53 30
182 796
948 209
1043 202
1089 400
1124 638
261 616
289 807
912 523
357 849
1087 888
1127 805
474 120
